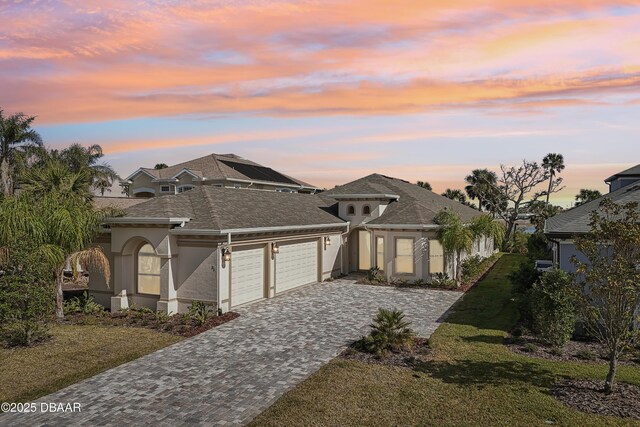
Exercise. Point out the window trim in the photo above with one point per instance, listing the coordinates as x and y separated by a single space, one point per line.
162 188
184 188
395 256
137 273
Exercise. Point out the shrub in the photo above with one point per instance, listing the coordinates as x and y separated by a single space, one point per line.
553 310
199 312
27 296
586 354
538 247
418 282
84 304
374 275
518 243
530 347
522 280
442 280
389 332
471 267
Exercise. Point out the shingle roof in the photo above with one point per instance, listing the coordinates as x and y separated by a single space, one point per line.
416 206
215 208
218 166
576 220
632 171
101 202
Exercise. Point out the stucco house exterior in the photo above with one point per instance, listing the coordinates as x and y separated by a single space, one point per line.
563 228
233 246
218 170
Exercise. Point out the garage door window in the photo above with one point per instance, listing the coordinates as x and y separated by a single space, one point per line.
148 270
404 256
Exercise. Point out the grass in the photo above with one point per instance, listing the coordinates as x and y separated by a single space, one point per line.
74 353
472 378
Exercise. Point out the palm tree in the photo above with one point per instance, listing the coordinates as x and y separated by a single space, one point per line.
424 184
456 195
160 166
553 163
78 157
488 228
17 139
59 219
480 185
586 195
455 237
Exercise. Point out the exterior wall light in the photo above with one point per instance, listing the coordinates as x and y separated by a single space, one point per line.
275 249
327 241
226 255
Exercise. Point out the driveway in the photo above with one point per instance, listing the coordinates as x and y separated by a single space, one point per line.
228 375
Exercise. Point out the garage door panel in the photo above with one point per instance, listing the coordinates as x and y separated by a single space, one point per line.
296 265
247 275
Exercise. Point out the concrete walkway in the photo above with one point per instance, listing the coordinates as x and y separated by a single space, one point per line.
228 375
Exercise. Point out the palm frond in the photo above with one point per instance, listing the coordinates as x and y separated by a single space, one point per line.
92 258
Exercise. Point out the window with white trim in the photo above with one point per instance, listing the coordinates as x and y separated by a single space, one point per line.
404 255
184 188
165 188
148 270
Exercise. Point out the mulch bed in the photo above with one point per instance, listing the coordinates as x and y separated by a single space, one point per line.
462 288
406 358
178 324
573 351
588 396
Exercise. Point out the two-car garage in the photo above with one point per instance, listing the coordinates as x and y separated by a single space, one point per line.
295 264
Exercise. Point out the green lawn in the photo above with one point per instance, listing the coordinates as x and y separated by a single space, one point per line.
74 353
472 378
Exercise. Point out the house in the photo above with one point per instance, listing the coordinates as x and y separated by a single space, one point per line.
229 246
562 229
218 170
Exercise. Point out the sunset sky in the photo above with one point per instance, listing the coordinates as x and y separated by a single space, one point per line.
329 91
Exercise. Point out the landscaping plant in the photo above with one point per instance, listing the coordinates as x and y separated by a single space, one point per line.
84 304
389 332
200 312
608 289
553 308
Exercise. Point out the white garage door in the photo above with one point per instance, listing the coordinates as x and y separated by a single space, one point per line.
296 265
247 275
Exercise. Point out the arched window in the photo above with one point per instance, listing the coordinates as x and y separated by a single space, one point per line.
148 270
366 210
351 210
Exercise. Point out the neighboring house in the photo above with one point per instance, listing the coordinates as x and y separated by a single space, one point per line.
218 170
562 229
229 247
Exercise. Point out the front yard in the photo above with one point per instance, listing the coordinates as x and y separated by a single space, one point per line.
73 354
470 378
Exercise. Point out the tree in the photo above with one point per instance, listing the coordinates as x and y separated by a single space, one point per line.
553 164
480 185
160 166
17 139
456 195
77 157
515 184
457 237
586 195
608 285
58 218
424 184
553 308
541 212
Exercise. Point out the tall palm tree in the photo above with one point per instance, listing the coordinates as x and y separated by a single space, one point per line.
424 184
60 220
480 185
17 139
553 163
78 157
484 226
456 195
586 195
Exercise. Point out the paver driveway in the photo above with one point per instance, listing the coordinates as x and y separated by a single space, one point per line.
230 374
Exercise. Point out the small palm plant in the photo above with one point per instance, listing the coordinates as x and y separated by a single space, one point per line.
389 332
